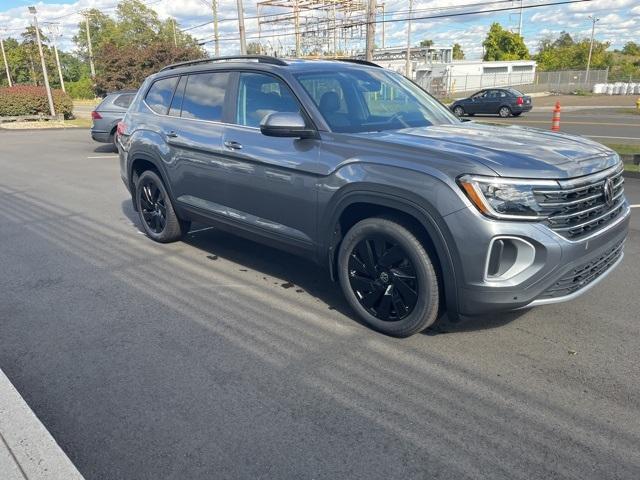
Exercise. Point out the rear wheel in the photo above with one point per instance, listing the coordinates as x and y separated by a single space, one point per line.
458 111
388 277
504 112
157 215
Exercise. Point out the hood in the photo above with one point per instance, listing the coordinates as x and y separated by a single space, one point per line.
510 151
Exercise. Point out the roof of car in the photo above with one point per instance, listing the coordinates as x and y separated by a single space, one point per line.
266 63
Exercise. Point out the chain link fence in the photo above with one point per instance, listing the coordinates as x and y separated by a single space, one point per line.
560 82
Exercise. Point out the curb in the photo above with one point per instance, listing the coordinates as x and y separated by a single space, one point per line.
27 449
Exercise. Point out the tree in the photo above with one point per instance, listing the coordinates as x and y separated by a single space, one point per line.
565 53
254 48
631 48
458 54
502 44
427 43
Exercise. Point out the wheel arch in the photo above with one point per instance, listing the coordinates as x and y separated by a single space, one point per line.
358 205
140 163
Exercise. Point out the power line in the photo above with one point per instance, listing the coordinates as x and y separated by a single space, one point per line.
423 17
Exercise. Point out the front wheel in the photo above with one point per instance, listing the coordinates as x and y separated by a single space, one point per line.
158 218
504 112
458 111
388 277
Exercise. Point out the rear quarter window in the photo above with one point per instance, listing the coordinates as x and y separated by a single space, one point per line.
124 100
160 94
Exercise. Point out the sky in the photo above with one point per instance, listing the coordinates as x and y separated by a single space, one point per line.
619 20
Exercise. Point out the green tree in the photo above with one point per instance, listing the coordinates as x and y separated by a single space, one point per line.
458 54
502 44
254 48
427 43
565 53
102 29
631 48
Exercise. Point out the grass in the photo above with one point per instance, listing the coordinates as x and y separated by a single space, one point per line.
90 102
631 111
624 149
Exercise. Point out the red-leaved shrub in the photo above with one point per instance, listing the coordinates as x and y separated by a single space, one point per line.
30 100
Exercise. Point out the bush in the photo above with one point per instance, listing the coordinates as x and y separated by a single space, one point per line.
29 100
82 89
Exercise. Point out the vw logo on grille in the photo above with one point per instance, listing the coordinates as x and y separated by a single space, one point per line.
607 191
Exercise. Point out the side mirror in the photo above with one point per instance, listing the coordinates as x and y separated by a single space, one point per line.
286 124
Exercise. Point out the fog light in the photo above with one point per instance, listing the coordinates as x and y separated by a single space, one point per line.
508 257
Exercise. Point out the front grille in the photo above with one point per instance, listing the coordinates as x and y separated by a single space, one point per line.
581 276
578 208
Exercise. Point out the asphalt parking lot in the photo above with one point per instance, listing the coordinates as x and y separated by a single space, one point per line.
219 358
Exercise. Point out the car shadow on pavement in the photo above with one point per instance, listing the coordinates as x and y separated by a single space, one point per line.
282 269
289 271
104 148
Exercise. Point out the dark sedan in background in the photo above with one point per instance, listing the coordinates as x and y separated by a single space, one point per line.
108 113
493 101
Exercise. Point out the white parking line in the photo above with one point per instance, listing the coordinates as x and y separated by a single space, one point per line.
635 206
105 156
617 138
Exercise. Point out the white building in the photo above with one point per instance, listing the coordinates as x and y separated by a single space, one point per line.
467 75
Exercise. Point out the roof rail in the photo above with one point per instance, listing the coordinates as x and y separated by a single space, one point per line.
358 61
259 58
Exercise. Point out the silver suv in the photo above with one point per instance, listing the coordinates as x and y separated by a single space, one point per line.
412 210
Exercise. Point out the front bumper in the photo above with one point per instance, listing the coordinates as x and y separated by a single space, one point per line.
563 269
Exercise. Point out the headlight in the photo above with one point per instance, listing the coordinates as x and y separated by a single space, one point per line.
505 198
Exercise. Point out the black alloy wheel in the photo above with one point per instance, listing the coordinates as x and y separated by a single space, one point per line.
383 278
152 205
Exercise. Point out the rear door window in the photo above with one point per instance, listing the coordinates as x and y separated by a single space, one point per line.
176 103
205 95
159 95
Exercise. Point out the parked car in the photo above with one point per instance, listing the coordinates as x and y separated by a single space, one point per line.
494 101
413 211
107 115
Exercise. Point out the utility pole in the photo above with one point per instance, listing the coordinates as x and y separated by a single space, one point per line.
175 40
6 65
520 23
86 20
371 30
216 38
243 41
594 20
383 22
407 67
34 12
52 28
296 20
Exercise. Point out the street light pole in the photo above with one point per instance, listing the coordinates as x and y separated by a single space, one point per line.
53 31
6 65
594 20
407 67
33 11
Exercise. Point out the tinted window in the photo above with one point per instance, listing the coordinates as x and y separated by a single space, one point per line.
176 103
124 100
204 96
159 96
260 95
368 100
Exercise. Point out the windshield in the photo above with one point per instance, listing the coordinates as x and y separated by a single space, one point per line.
372 100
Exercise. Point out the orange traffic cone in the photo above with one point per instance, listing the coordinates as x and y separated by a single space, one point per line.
555 122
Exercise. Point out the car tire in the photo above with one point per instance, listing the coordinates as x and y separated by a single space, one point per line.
504 112
458 111
114 141
157 216
388 277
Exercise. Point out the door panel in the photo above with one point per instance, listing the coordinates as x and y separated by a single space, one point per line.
195 139
271 180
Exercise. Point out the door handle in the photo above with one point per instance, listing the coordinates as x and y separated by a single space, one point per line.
233 145
172 134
